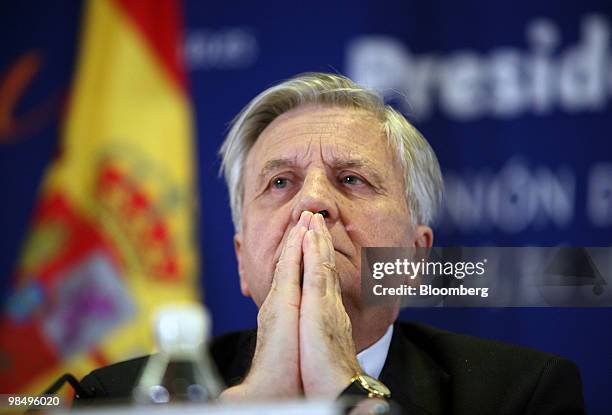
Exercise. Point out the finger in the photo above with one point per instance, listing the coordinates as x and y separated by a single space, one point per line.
326 247
319 270
305 218
327 238
328 253
289 263
323 240
292 251
317 223
304 221
311 260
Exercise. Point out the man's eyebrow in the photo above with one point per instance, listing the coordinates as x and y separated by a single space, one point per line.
359 164
273 165
337 164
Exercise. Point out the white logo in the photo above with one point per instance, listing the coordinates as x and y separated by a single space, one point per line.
230 48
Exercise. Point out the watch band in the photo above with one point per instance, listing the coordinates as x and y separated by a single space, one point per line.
367 387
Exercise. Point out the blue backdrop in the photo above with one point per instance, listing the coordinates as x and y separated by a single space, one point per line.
513 96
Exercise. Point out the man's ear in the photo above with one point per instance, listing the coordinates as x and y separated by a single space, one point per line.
423 237
244 285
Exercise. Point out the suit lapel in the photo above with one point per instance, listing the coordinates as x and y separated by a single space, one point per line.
236 371
417 383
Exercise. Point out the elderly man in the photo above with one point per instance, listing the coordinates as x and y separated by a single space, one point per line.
317 168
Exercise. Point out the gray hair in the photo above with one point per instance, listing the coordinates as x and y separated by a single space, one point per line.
422 177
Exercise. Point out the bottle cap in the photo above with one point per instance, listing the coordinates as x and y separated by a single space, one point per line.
181 328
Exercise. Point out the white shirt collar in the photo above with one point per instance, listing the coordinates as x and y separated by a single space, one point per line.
373 358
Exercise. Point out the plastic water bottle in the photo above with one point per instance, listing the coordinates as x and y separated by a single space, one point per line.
182 371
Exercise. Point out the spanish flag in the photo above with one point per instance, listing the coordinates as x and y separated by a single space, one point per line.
112 237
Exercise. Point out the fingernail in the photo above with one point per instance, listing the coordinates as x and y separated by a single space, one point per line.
321 219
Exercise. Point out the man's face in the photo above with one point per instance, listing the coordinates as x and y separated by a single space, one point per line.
322 158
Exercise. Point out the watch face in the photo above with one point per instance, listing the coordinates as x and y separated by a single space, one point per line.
374 386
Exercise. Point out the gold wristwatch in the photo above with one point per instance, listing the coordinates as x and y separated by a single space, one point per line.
366 386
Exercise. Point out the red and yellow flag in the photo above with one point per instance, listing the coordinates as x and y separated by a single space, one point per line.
112 236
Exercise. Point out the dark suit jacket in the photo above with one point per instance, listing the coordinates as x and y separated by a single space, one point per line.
428 371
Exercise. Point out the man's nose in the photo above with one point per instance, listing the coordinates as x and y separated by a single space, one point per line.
317 195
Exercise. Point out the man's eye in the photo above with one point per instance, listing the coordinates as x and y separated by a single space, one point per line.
280 183
352 180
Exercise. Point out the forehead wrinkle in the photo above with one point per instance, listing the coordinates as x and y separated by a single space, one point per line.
329 127
295 129
328 120
333 132
329 147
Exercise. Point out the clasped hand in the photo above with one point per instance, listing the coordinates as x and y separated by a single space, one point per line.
304 338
